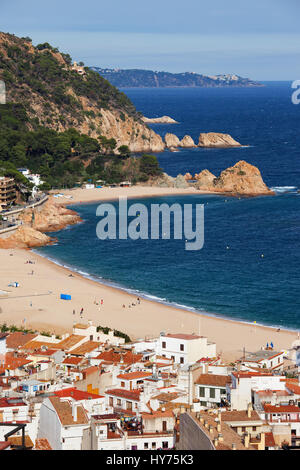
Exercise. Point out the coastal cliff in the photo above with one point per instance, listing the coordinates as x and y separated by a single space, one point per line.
60 95
47 218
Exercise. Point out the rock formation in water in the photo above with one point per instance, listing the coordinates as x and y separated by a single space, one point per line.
187 142
172 141
216 139
242 178
159 120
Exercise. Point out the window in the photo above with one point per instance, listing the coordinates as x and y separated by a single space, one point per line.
182 347
212 393
163 345
146 445
182 360
223 391
203 403
111 401
201 392
118 402
128 405
165 445
123 384
153 445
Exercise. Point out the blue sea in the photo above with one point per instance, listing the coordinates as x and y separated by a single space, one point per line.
248 268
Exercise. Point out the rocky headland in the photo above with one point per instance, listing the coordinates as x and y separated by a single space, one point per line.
47 218
240 179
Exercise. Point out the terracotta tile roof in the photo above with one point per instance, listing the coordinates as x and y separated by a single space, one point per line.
18 339
90 370
166 397
12 363
281 408
213 380
128 394
37 345
158 414
86 347
42 444
229 435
134 375
76 394
74 361
293 387
47 352
117 357
68 342
242 415
64 412
11 402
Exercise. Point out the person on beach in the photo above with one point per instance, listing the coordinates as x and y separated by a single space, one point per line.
73 312
101 301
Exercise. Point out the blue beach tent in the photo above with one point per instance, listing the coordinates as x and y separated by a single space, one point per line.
65 297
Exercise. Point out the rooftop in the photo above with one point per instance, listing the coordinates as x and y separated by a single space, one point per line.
214 380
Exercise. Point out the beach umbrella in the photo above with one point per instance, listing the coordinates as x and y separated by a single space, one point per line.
272 345
267 345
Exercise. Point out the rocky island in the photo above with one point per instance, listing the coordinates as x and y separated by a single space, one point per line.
159 120
207 140
216 139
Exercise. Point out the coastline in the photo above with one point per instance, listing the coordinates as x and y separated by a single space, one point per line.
148 319
38 298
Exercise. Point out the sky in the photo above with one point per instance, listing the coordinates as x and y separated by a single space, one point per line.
259 39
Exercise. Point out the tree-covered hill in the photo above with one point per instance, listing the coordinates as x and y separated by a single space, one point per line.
60 95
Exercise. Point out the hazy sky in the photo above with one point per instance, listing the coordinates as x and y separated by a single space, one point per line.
255 38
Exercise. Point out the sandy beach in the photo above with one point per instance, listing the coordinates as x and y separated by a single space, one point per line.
79 195
36 302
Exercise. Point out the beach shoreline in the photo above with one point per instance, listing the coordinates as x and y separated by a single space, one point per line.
37 300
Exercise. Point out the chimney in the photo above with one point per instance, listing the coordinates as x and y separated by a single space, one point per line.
249 410
247 440
211 430
220 437
216 442
219 426
219 416
233 446
206 424
74 411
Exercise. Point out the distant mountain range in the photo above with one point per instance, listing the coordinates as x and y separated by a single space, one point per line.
131 78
